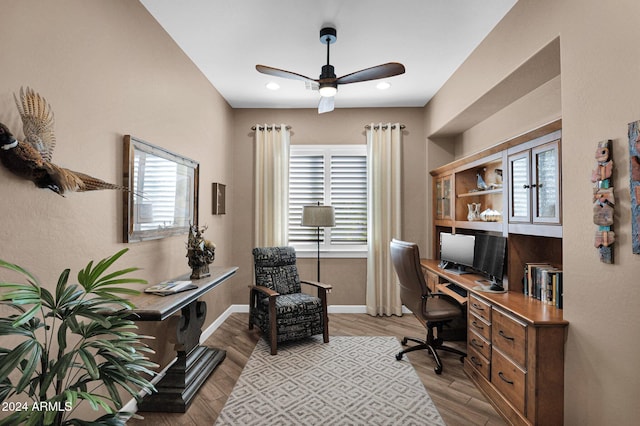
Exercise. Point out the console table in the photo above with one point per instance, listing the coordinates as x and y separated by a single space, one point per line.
194 363
515 348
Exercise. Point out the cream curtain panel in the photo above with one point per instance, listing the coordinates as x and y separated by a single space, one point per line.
384 151
271 185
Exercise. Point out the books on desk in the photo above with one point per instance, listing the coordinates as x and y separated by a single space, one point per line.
543 281
170 287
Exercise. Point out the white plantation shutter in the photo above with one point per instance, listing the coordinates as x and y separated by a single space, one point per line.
306 187
333 175
349 198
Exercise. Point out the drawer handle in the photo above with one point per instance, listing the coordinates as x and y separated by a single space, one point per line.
504 378
475 361
476 325
477 344
478 307
501 333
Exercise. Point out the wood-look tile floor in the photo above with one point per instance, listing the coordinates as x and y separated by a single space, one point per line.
456 397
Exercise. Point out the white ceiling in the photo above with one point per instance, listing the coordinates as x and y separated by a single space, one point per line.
226 39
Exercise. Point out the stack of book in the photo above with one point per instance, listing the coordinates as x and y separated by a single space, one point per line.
543 281
170 287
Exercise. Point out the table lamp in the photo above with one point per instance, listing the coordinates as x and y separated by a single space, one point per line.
320 217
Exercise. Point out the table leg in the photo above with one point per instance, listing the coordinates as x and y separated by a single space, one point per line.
193 365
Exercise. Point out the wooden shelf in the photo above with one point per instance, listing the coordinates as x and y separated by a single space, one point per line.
480 225
485 192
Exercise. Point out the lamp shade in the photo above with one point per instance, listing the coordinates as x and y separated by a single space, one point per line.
319 216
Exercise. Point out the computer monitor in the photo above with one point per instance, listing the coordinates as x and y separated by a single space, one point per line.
489 259
456 252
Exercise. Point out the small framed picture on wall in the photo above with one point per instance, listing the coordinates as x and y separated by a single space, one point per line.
218 198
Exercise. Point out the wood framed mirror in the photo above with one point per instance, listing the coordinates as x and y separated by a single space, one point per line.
162 200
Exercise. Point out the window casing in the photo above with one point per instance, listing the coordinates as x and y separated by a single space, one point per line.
333 175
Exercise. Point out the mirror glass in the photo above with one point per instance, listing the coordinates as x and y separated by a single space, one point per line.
163 192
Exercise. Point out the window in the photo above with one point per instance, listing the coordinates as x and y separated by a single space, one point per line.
333 175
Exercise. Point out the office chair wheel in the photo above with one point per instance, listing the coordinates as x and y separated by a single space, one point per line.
399 355
404 342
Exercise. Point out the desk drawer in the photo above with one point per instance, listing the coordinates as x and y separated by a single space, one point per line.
510 336
432 279
477 342
509 379
480 308
479 363
480 326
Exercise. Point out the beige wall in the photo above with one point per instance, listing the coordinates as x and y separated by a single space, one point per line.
108 69
342 126
598 97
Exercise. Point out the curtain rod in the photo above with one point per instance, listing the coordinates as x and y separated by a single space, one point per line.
269 128
384 127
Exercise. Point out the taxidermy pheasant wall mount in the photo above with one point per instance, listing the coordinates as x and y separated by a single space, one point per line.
31 158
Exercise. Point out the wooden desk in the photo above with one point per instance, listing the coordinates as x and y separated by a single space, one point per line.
528 308
194 363
515 350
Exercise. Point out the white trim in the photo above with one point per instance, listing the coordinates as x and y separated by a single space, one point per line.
221 319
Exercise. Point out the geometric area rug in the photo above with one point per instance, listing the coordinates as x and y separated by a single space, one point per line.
352 380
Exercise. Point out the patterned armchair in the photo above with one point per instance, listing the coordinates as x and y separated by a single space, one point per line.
278 306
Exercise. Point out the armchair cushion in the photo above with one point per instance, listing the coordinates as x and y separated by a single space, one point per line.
275 268
297 316
295 305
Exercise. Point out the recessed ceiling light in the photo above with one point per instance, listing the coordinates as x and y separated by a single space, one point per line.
383 85
273 86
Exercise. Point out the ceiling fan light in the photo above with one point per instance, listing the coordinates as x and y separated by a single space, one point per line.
383 85
272 85
328 91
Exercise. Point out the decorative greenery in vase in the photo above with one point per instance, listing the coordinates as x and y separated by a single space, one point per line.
200 252
72 346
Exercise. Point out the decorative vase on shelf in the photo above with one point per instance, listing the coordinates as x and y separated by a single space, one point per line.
481 183
200 253
201 271
474 212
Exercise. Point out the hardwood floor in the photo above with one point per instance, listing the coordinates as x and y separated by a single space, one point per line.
457 399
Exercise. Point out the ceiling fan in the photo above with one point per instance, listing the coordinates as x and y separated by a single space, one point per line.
328 82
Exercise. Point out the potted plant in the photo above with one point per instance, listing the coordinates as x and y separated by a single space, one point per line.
77 344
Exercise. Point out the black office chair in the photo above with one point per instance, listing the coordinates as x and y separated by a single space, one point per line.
433 310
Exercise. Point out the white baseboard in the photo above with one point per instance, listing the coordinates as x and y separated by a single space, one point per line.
132 405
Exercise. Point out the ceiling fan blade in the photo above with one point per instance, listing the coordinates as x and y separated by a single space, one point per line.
282 73
326 104
374 73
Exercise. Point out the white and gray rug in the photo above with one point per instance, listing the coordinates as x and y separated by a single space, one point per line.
348 381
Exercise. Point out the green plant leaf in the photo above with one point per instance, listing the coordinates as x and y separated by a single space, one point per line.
12 360
16 418
62 283
8 329
27 315
89 363
6 389
91 275
110 277
30 366
20 270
